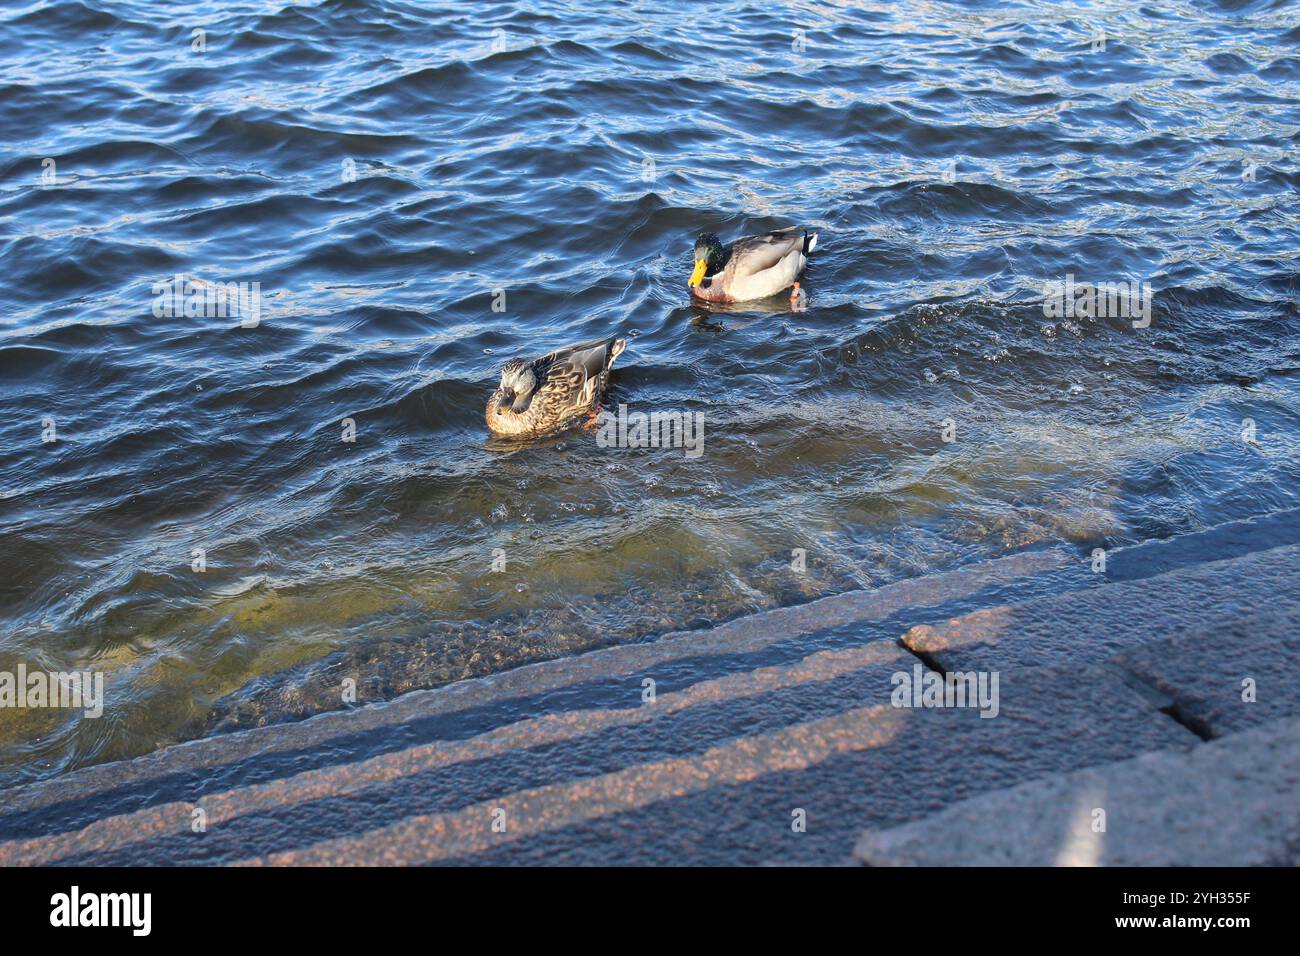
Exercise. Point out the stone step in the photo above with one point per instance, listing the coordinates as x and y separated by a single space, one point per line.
753 724
734 804
1203 636
1232 802
710 774
1233 539
606 678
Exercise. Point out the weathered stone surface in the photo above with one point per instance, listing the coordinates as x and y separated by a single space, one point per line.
539 751
755 719
1204 671
1050 720
1232 539
1096 624
1234 801
710 774
188 772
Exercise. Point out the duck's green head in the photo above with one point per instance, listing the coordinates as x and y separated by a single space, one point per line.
709 258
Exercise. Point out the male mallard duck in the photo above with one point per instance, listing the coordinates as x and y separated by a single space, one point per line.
543 395
754 267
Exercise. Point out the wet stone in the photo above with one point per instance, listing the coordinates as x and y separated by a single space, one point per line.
1050 720
1097 624
1231 802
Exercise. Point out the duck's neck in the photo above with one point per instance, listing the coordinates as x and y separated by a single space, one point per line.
720 263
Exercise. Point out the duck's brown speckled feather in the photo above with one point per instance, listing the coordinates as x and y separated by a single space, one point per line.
571 382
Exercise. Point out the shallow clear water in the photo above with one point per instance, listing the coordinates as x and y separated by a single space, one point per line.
953 158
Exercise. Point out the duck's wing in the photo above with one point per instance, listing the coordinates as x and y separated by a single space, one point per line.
589 358
575 371
754 254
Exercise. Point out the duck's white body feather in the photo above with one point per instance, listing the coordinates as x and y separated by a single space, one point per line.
759 266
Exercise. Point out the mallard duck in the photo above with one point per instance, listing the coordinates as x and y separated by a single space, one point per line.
539 396
754 267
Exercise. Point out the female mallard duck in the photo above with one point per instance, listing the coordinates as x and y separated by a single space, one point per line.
754 267
543 395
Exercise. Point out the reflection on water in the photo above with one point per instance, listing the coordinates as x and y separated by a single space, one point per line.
953 159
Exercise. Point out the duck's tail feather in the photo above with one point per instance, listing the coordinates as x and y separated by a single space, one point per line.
809 241
616 348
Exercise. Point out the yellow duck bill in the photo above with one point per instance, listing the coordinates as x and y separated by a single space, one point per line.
698 274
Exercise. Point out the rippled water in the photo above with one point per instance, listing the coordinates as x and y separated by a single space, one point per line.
385 169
